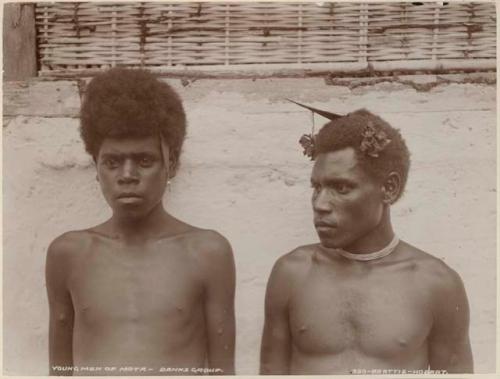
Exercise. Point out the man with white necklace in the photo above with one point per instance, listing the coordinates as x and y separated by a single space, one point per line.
361 301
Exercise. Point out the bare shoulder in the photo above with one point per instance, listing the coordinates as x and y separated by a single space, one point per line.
69 243
292 267
208 244
286 275
433 272
62 254
209 251
296 262
198 242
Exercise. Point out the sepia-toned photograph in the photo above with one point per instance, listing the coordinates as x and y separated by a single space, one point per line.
249 188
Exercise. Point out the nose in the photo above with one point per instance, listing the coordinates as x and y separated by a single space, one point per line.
128 173
322 202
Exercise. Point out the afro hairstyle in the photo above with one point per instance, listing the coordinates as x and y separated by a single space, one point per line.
125 103
347 131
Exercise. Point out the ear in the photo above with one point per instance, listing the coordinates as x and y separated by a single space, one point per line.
172 167
391 188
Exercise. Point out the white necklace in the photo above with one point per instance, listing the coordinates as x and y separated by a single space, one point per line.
370 256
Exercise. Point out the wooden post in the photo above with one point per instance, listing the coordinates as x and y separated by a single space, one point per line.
19 41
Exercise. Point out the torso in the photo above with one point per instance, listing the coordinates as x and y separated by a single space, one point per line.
347 316
138 307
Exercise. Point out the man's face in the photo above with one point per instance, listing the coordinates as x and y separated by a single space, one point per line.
132 174
347 202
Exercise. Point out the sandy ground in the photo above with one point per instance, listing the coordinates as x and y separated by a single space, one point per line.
243 174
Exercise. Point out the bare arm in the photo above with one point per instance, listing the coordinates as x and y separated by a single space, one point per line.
219 306
276 339
60 309
449 345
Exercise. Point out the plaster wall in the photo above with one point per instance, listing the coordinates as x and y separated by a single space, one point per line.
242 173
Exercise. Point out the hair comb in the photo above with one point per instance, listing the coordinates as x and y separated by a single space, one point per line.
373 141
307 141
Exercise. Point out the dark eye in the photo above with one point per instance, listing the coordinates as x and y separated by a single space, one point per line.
111 162
342 188
146 161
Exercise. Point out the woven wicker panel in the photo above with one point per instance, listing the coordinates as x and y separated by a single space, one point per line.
400 31
333 33
97 35
185 34
472 31
263 33
79 35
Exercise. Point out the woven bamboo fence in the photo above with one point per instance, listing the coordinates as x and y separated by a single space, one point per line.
338 36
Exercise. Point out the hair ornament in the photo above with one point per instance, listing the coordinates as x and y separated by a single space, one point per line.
373 141
307 141
325 114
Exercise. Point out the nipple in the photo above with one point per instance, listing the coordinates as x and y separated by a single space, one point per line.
402 342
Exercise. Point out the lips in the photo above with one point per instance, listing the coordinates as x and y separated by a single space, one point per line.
129 198
320 224
324 227
128 194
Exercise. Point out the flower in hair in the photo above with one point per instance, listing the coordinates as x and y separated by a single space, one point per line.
373 141
307 142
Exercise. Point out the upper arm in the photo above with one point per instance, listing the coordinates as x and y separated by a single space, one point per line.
219 279
61 312
276 339
449 345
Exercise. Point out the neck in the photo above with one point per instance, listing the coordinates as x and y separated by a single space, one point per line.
376 239
140 229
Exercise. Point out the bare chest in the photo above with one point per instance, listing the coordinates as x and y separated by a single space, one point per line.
109 288
377 315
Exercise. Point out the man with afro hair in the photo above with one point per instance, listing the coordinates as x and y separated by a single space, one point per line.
361 301
142 293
